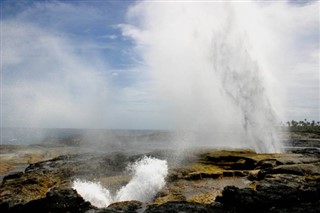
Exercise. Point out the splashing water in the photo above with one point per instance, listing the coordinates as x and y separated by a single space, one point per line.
93 192
148 177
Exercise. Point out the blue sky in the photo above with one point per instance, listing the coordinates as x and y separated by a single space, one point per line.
86 33
78 64
91 21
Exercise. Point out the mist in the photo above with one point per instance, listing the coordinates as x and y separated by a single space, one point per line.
217 74
46 84
219 65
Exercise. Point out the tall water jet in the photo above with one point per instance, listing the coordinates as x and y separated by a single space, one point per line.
205 63
242 83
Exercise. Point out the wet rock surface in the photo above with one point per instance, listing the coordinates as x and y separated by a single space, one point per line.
56 200
39 178
208 181
125 206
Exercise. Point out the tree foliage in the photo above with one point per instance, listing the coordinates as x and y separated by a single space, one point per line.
304 126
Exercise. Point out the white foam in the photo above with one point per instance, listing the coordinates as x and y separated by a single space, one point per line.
93 192
148 177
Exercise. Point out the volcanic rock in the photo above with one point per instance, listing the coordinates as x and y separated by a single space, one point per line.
56 200
125 206
175 207
208 181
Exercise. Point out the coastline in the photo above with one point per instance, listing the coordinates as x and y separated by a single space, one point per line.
205 180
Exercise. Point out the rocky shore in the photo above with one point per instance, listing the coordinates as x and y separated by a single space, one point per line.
204 181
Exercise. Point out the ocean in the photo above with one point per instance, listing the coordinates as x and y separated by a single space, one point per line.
105 140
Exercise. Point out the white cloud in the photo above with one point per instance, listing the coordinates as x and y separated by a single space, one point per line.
136 105
112 36
56 72
45 84
51 77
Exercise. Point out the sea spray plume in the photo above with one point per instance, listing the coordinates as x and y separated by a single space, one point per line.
148 178
243 84
201 59
93 192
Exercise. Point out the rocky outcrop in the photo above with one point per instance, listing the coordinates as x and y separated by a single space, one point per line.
209 181
183 206
277 183
271 196
56 200
282 185
39 178
125 206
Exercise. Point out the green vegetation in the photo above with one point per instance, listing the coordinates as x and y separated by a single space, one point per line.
304 126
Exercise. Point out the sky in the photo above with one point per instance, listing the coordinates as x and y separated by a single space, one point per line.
83 64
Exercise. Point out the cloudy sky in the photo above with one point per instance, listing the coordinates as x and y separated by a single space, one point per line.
88 64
